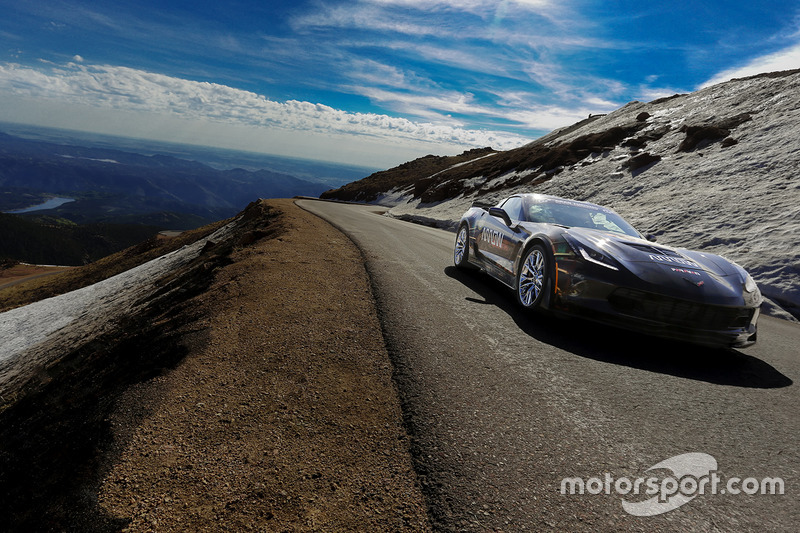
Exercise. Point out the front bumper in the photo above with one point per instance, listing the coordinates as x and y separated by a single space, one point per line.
652 313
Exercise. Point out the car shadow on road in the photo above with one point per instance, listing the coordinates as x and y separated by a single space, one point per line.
617 346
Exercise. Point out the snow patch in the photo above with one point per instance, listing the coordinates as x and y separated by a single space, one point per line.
83 314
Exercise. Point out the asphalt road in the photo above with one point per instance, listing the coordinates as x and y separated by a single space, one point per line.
503 405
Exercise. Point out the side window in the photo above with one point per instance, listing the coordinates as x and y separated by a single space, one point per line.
513 206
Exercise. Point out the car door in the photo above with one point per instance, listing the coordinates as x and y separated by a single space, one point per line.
499 242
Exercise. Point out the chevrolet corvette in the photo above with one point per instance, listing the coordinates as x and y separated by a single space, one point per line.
581 259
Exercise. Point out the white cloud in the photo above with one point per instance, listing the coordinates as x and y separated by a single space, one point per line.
375 73
454 19
427 105
494 10
364 17
470 38
468 5
128 90
519 108
474 60
553 117
786 59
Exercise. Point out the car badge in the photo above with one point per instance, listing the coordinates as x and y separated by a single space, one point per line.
693 282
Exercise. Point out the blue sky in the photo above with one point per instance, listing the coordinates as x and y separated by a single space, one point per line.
375 82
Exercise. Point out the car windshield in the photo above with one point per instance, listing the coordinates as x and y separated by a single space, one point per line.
573 214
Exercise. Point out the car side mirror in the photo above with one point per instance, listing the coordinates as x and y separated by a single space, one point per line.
499 212
650 237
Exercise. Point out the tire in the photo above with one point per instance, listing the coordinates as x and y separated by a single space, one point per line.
461 250
532 277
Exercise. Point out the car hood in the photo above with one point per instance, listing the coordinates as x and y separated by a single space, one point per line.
630 249
681 272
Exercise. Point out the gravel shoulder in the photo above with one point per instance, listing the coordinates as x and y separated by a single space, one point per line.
284 417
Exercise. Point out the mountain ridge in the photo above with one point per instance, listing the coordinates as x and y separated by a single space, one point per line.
108 184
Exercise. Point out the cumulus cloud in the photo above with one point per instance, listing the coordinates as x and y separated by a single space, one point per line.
131 90
786 59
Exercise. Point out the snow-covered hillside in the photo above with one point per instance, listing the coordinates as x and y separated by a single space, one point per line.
714 170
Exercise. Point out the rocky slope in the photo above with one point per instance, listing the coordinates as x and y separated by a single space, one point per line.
373 187
713 170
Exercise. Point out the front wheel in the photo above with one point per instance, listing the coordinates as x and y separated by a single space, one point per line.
532 277
461 251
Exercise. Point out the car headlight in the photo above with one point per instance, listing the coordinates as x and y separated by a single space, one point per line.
750 284
591 255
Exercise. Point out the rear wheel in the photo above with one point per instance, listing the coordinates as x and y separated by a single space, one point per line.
461 251
532 277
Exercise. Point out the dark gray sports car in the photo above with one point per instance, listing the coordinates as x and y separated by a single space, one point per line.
583 259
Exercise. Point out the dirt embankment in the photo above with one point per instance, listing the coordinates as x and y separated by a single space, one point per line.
257 397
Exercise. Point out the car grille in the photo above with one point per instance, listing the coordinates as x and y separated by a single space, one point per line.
679 312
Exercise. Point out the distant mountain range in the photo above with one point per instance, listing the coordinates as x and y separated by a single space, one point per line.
121 197
118 186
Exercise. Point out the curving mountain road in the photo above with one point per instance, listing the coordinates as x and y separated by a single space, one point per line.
503 405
